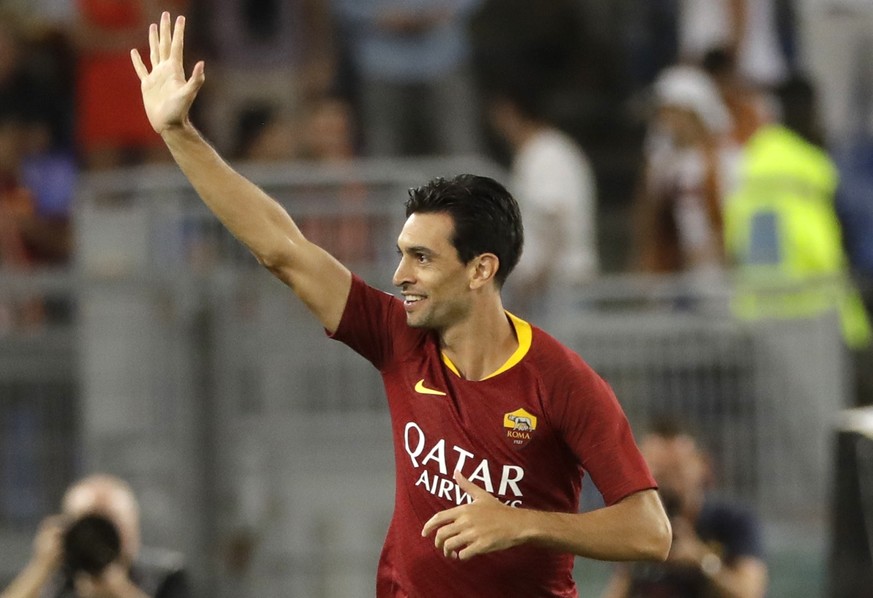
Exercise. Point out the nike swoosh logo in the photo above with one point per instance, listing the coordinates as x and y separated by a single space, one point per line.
421 388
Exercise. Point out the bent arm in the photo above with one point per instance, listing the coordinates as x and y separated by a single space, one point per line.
30 581
635 528
44 563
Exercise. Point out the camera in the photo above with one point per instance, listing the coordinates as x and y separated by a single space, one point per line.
90 544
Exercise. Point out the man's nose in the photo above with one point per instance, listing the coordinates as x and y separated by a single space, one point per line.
401 274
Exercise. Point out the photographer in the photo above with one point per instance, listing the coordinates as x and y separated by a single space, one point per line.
93 550
717 548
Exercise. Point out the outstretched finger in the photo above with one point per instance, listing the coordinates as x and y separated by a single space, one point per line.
178 41
154 57
469 487
438 520
165 38
138 64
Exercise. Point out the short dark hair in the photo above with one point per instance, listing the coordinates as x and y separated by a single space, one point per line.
485 215
797 100
672 426
669 427
719 61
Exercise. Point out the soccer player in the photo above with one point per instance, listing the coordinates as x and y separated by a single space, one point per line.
493 420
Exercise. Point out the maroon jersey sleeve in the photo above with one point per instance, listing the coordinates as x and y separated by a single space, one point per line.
370 322
594 426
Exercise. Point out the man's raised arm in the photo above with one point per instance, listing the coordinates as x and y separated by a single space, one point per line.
254 218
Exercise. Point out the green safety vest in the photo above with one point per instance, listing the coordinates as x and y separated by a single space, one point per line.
783 235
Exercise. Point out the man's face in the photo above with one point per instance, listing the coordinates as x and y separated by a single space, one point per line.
684 125
100 498
433 280
678 466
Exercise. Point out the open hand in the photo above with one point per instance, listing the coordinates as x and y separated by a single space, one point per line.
483 526
167 96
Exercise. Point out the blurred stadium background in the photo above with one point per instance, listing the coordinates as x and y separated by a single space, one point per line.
253 440
261 450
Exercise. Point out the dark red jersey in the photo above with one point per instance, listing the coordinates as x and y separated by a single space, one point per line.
526 434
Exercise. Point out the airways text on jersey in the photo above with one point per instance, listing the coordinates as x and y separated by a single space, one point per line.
499 480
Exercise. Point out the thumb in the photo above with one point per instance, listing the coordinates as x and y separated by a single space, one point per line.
198 76
84 585
469 487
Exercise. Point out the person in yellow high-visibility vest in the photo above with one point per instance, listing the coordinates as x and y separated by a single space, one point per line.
782 233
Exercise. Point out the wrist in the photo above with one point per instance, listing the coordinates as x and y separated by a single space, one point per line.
184 127
43 566
710 564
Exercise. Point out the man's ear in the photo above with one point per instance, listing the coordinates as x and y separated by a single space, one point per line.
483 269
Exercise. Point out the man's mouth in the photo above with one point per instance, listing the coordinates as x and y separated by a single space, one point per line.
412 299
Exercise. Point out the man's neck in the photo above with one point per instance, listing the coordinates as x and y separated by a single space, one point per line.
480 344
525 132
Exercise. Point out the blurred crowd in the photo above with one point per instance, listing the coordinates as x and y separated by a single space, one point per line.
731 137
672 109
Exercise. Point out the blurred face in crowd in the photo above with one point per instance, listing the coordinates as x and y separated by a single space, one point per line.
329 131
11 139
682 124
9 52
111 498
679 467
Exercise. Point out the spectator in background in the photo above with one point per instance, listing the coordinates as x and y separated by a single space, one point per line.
133 573
717 547
264 134
679 203
270 55
36 79
747 29
329 131
329 139
556 190
781 226
323 132
108 135
411 61
650 39
546 40
748 106
37 167
37 174
16 209
837 36
35 231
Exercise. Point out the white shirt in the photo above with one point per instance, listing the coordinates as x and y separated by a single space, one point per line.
703 25
708 24
551 176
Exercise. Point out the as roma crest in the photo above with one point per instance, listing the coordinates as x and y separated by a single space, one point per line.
520 426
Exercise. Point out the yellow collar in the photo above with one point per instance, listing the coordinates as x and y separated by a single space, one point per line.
523 333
